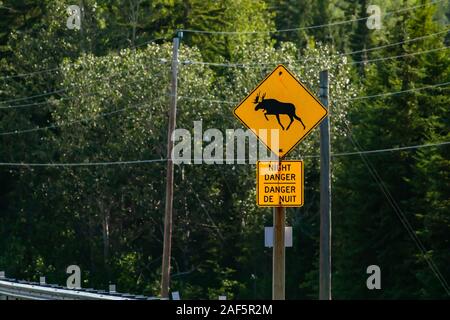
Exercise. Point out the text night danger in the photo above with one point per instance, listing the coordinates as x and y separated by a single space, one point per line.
280 183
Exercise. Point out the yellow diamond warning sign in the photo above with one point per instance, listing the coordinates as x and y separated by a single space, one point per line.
279 184
282 103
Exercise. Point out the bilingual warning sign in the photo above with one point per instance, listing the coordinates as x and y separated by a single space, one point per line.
280 184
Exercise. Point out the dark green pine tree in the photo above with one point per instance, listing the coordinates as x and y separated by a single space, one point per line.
361 39
370 231
431 179
299 16
292 14
432 185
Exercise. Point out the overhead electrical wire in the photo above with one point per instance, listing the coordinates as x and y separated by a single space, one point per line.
372 170
212 63
211 32
428 145
34 96
265 64
131 162
19 106
54 126
21 75
385 94
81 164
244 64
240 65
237 32
400 56
220 101
59 68
401 215
388 45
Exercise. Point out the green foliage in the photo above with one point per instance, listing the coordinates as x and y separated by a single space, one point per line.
113 107
408 119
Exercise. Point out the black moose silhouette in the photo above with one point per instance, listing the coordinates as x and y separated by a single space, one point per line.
275 107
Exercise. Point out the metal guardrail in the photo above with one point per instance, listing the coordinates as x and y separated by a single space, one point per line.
11 289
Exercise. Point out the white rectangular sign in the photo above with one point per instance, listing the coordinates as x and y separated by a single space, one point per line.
268 237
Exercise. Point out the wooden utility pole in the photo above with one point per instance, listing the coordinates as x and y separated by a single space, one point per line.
165 278
278 279
325 196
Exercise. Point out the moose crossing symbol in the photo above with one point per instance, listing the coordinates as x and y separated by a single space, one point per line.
275 107
288 114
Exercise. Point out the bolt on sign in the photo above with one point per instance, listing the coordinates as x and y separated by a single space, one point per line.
280 184
282 103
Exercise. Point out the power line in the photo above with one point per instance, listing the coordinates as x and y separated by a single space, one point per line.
202 205
240 65
19 106
68 98
236 65
207 100
402 217
270 31
304 28
35 96
54 126
415 7
161 60
81 164
375 151
151 41
437 144
294 29
243 65
389 44
335 100
265 64
131 162
400 56
21 75
230 64
396 92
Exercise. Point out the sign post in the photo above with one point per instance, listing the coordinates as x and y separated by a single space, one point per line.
282 104
279 185
279 250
